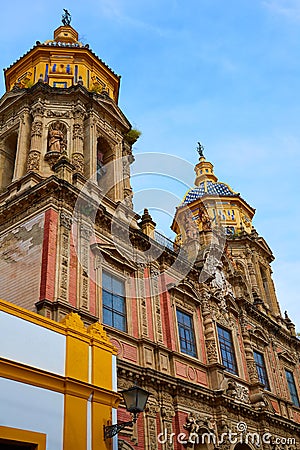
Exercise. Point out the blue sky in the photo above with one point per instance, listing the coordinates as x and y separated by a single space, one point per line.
225 73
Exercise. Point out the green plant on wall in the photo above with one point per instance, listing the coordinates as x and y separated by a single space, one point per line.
132 136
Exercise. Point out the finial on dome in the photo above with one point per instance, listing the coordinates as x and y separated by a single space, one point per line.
66 18
200 150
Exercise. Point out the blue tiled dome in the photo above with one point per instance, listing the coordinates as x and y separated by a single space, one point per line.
211 189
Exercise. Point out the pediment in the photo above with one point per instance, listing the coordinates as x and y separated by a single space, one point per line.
11 97
259 336
114 111
286 356
110 251
263 244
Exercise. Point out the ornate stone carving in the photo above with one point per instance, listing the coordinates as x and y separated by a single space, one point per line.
140 289
198 427
66 220
150 412
203 219
78 162
37 128
237 391
51 113
209 334
56 141
33 160
85 232
167 412
38 109
211 350
77 131
57 137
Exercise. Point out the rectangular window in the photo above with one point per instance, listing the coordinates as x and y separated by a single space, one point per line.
186 333
76 75
227 350
46 73
113 301
292 387
261 369
59 84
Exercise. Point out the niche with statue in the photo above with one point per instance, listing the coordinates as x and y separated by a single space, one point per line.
56 142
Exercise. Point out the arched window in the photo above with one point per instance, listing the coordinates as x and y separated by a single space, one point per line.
8 152
104 156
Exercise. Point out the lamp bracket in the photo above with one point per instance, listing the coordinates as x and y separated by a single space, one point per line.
111 430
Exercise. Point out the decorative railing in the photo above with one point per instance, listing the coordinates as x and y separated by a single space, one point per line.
162 240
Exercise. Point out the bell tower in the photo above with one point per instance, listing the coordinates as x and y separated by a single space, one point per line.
61 100
213 216
60 129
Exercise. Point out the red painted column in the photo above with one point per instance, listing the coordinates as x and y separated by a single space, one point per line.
47 286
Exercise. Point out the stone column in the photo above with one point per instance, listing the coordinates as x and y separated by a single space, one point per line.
251 269
251 366
141 299
33 160
209 333
151 442
167 413
154 290
2 164
77 151
64 255
84 264
22 145
127 159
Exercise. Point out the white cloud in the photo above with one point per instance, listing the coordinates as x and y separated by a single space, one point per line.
287 8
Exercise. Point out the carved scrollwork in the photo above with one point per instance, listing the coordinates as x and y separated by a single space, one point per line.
38 109
78 162
37 128
33 161
211 350
77 131
237 391
58 114
66 220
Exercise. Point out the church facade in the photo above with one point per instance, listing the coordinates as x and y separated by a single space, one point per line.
196 322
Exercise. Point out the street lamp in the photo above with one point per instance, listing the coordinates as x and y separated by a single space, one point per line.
135 399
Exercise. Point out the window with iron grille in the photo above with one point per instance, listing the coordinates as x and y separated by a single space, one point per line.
227 350
113 301
261 369
186 333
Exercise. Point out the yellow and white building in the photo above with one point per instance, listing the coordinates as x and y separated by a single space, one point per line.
58 382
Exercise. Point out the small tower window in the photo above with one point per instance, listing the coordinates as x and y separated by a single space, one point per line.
54 68
46 73
68 69
76 75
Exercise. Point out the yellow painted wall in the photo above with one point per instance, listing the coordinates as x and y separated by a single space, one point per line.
87 378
